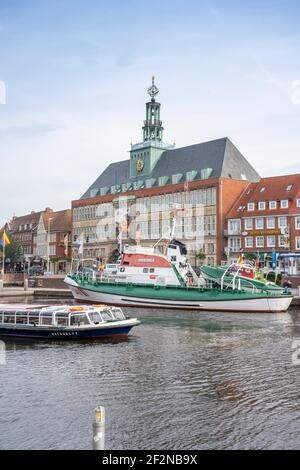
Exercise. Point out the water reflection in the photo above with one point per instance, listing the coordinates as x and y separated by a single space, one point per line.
181 380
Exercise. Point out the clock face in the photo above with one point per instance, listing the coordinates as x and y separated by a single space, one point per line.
140 164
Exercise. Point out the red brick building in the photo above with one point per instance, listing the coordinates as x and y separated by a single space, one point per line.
53 239
40 234
266 219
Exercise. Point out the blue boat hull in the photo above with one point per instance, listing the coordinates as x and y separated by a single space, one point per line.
70 334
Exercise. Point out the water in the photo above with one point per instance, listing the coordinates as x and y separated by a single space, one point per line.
182 380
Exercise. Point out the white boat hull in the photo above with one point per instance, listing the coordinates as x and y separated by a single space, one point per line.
266 304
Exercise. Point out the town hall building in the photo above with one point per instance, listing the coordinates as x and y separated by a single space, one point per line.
134 200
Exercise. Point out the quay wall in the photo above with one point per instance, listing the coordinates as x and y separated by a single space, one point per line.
47 282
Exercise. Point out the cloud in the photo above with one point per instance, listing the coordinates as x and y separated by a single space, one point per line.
28 131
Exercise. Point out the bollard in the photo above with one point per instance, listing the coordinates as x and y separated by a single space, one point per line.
25 284
1 285
99 428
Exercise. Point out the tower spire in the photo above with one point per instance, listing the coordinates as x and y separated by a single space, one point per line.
153 129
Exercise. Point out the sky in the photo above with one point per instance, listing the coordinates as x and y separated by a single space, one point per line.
74 76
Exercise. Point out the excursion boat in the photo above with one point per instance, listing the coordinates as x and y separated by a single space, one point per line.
63 322
247 276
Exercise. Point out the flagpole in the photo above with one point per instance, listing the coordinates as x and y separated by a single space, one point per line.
3 259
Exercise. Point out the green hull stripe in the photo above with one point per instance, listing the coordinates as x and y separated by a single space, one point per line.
190 294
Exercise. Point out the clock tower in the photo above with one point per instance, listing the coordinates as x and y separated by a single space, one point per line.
153 129
145 155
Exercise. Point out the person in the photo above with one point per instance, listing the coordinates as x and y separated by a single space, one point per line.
101 269
189 278
286 284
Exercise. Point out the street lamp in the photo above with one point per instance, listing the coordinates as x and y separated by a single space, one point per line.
48 245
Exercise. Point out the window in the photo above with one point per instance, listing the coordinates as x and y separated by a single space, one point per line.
297 223
281 222
272 204
248 224
289 187
261 206
52 250
234 244
281 241
250 206
297 244
284 204
234 226
249 242
298 202
271 222
259 223
259 242
262 190
271 241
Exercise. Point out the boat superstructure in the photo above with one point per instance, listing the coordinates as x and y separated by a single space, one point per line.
147 265
243 275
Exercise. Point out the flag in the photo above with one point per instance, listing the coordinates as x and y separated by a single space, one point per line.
241 259
80 243
124 225
66 244
274 259
186 186
5 240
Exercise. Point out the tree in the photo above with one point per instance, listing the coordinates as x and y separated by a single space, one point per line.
13 251
114 256
200 256
250 256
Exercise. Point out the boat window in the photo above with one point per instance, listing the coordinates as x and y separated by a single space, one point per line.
33 317
106 315
145 270
22 318
118 314
79 319
9 317
46 320
152 270
95 317
61 320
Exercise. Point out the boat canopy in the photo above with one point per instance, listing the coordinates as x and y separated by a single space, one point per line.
61 316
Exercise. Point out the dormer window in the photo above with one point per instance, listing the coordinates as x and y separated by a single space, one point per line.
250 206
289 187
284 204
298 202
261 206
262 190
